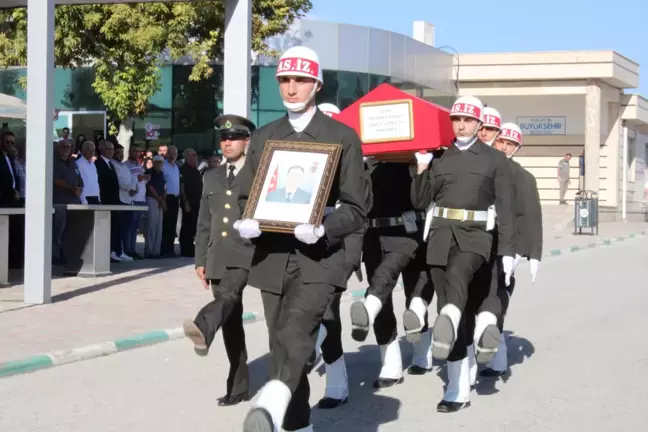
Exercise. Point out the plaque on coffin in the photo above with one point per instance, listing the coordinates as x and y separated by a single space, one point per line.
393 124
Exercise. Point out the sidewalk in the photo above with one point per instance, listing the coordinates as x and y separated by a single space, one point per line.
149 295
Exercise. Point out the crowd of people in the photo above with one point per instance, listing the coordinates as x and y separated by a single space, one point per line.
97 172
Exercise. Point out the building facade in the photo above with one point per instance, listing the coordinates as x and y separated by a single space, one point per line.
570 102
355 60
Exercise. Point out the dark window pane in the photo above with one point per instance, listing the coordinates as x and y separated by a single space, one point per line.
269 96
352 87
266 117
329 91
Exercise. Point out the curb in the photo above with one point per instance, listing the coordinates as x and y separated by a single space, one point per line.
61 357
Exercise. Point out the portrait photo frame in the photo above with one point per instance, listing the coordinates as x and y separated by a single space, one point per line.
292 184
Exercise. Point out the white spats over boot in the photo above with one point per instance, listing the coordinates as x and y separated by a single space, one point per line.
363 314
486 337
337 385
422 355
268 412
414 318
321 335
457 394
472 365
499 364
391 372
444 331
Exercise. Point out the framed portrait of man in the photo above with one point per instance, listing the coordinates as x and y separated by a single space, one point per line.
292 185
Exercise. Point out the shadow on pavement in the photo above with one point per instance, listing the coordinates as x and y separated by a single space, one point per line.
519 349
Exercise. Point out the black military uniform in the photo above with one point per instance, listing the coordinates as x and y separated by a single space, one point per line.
226 258
298 280
463 185
491 274
528 224
393 237
336 392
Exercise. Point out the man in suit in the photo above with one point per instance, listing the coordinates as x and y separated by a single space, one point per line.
300 272
109 193
9 182
223 258
291 193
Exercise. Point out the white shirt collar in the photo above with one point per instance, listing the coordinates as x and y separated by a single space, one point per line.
237 165
299 121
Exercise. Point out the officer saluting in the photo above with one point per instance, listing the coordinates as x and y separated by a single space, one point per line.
459 186
529 238
299 274
223 258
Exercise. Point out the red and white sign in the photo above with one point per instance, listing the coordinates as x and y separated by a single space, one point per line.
152 131
466 109
298 65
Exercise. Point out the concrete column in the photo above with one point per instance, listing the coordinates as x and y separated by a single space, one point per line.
592 135
423 32
40 151
236 57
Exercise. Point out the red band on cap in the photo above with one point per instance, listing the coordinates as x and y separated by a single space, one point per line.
491 120
297 64
512 134
467 109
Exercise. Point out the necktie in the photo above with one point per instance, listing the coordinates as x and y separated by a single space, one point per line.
231 176
288 197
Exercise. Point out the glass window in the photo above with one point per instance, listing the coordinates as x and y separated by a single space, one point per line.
376 80
353 86
329 91
266 117
9 82
269 96
73 90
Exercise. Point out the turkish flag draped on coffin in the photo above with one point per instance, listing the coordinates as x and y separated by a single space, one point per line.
393 124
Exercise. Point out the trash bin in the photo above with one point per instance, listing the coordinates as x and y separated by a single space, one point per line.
586 212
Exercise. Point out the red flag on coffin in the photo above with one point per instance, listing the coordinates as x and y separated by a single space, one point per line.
390 121
273 181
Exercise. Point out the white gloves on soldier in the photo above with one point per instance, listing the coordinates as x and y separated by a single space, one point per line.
507 264
423 158
248 228
516 262
534 265
309 234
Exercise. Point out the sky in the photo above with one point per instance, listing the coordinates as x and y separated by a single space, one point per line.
471 26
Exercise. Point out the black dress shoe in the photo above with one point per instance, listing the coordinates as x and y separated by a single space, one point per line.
418 370
451 407
359 321
330 403
491 373
387 382
230 400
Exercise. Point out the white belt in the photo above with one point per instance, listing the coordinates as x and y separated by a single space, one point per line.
460 214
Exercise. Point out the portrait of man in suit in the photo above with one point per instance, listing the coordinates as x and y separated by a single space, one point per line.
291 193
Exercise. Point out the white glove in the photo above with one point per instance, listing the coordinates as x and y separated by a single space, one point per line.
309 234
507 264
423 158
248 228
516 262
534 265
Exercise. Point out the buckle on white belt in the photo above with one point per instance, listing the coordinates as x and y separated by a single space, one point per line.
460 214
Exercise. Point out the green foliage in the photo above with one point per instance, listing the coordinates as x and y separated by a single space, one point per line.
127 43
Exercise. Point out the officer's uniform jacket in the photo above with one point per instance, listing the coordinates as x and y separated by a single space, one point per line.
533 210
391 183
218 243
472 179
325 261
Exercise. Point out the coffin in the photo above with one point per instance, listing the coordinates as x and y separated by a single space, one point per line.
393 124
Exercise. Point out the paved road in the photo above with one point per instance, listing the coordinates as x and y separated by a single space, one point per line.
560 381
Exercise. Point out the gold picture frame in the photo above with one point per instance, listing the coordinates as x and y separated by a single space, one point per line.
281 209
410 110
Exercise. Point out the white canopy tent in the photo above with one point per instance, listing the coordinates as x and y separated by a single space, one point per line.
40 74
12 107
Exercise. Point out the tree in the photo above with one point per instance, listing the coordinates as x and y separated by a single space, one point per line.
127 43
